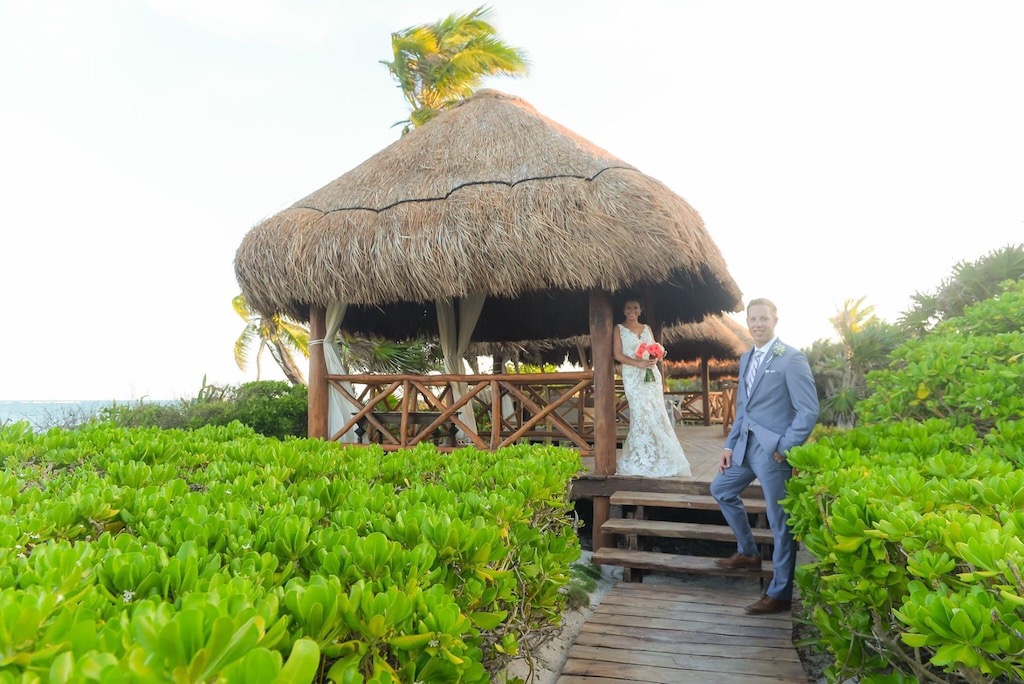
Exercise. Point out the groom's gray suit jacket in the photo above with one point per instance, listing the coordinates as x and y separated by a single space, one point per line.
782 406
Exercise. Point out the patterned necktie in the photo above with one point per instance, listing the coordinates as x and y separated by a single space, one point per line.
752 368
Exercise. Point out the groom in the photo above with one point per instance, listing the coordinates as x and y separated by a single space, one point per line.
776 409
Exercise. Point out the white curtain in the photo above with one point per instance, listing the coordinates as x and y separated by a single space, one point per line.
455 335
339 409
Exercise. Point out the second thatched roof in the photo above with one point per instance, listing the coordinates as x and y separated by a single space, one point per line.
717 338
490 197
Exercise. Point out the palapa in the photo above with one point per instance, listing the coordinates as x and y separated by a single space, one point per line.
717 338
490 197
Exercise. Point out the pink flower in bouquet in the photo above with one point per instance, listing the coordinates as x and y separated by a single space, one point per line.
650 350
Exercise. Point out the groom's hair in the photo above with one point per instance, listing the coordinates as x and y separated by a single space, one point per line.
764 302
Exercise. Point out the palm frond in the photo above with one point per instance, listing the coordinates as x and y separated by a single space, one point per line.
438 65
294 335
240 306
243 344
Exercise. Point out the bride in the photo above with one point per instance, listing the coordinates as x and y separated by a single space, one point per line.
651 448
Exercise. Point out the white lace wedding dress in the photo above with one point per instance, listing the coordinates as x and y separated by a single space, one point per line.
651 448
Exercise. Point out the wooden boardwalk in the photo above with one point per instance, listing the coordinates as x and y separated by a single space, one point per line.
667 633
671 634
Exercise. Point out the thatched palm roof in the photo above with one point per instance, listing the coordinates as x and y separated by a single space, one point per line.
717 370
488 197
717 338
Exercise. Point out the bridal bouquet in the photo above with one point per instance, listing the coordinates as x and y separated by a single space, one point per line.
650 350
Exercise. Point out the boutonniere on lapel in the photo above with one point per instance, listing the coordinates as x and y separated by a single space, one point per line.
778 349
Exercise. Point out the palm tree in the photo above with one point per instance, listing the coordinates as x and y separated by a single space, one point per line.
279 335
840 368
438 65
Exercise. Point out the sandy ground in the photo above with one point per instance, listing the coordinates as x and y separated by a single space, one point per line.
549 658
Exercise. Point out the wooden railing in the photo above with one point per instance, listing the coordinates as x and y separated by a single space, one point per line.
690 406
400 411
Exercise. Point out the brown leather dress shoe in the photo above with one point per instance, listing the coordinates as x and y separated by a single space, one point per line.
768 606
738 561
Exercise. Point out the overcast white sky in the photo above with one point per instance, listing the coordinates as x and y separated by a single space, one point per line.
865 146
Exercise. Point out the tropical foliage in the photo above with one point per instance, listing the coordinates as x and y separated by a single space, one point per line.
272 408
279 335
970 282
376 355
840 368
141 555
915 517
438 65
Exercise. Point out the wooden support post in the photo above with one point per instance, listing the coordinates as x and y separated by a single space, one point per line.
604 405
316 426
496 422
705 388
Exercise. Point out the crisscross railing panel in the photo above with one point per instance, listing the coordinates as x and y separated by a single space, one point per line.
400 411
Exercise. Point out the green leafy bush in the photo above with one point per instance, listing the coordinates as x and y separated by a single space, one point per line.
970 370
916 519
274 409
270 407
221 555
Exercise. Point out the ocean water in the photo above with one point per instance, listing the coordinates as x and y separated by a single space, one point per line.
46 414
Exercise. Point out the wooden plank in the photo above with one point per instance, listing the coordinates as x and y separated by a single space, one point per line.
705 620
716 664
704 502
680 530
735 650
589 485
665 675
696 610
724 627
693 593
668 562
675 635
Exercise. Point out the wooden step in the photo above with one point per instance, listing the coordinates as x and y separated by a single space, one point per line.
669 562
680 530
704 502
588 486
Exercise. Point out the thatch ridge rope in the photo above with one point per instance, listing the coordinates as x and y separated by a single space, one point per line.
557 176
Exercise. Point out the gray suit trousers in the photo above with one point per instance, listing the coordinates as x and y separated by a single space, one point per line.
727 488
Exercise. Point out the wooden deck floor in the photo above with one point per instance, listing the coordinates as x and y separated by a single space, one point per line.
703 447
668 634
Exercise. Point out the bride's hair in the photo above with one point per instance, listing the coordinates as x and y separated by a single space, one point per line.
631 297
